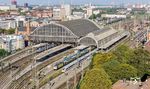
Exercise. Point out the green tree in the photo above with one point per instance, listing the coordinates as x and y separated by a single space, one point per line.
118 71
19 10
7 31
141 61
101 58
93 16
3 53
96 79
23 13
121 63
2 31
99 15
126 71
123 53
11 31
109 68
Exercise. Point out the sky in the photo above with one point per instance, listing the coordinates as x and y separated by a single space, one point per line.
51 2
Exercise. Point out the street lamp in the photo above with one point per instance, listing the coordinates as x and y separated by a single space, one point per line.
1 65
75 78
50 85
67 80
82 70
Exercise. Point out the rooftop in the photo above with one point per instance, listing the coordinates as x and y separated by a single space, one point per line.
80 27
147 46
131 85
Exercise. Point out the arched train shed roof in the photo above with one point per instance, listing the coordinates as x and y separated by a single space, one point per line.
65 31
80 27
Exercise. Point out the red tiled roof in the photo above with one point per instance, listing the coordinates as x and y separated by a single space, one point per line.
147 46
146 84
127 85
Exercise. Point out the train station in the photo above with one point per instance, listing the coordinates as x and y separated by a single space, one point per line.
81 31
61 44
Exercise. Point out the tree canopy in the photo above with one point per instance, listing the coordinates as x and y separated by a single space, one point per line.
123 53
101 58
3 53
118 71
141 61
121 63
96 79
7 31
93 16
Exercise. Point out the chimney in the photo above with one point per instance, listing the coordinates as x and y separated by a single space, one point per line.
28 28
16 30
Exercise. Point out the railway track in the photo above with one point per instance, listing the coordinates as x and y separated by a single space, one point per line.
14 59
20 60
23 63
24 80
20 55
13 56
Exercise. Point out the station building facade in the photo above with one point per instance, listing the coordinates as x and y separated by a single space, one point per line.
81 31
